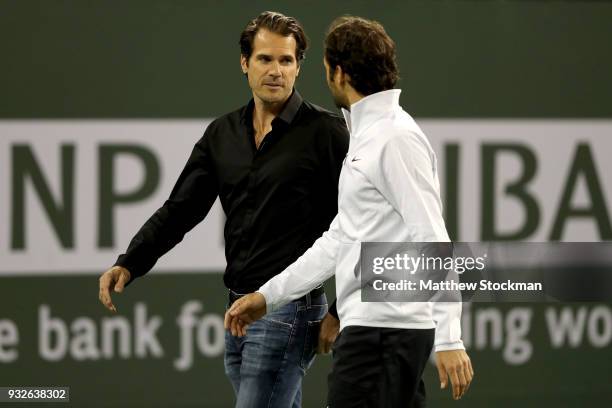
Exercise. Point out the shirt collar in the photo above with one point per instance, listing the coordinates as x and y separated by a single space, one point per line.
286 115
367 110
291 107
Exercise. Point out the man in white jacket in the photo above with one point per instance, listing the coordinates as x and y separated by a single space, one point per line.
388 192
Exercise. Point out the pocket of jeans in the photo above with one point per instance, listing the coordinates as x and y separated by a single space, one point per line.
277 323
283 318
311 343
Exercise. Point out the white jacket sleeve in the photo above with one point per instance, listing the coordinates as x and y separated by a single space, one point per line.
407 179
310 270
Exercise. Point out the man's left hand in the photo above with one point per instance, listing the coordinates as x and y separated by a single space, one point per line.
457 365
330 326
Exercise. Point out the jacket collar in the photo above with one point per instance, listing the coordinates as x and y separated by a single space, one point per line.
369 109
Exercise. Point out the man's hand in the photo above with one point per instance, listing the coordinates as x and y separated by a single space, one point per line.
244 311
113 279
330 326
457 365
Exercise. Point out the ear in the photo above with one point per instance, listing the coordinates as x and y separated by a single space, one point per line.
339 75
244 64
297 74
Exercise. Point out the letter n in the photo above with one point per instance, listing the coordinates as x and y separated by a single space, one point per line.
60 212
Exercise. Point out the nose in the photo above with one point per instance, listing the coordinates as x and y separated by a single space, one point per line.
275 69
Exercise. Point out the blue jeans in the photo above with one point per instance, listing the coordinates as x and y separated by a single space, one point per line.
267 365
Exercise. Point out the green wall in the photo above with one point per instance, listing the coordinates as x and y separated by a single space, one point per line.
179 59
76 59
572 375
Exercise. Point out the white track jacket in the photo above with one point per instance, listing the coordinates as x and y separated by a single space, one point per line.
388 192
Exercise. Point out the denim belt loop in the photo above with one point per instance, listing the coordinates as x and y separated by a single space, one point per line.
308 300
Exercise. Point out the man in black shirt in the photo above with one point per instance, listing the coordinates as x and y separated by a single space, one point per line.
274 164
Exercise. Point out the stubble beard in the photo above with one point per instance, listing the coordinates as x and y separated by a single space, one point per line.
269 98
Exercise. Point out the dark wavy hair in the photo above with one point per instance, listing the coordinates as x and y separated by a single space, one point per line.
364 50
277 23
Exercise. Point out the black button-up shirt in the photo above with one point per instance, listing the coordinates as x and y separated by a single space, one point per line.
278 199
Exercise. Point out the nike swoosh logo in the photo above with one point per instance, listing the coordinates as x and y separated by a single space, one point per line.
355 159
